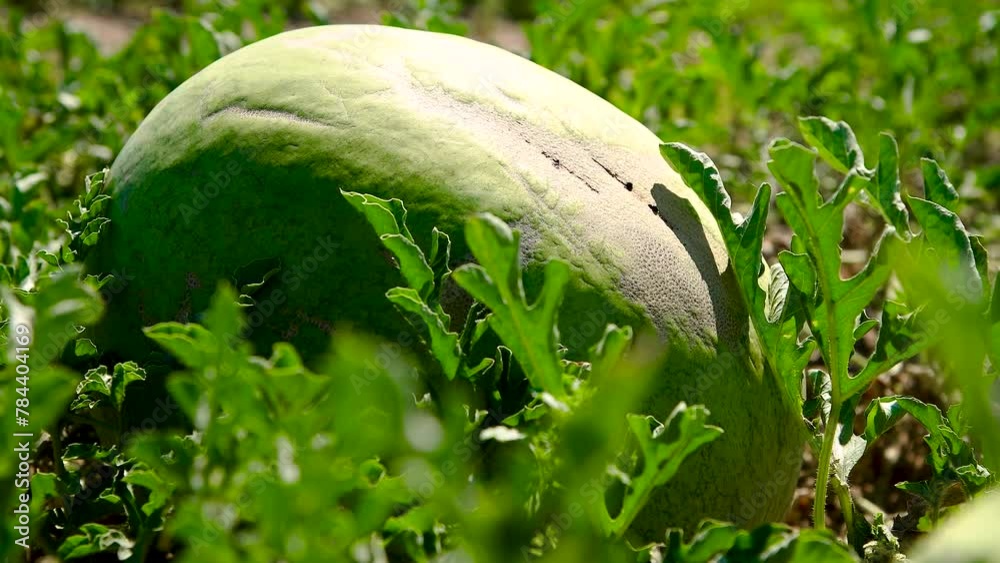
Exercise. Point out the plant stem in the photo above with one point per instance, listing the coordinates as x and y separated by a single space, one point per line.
55 433
846 506
823 474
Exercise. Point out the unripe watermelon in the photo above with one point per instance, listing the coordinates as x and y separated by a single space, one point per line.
237 173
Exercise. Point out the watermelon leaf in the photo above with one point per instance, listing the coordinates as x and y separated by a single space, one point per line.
884 186
818 223
529 330
388 218
664 447
937 187
420 303
835 142
774 304
721 541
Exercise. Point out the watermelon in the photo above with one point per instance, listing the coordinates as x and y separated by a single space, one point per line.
236 176
966 535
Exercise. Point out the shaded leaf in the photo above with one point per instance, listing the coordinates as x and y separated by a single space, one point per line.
900 338
425 277
883 413
388 218
720 541
443 343
528 330
159 490
774 309
664 448
96 538
192 344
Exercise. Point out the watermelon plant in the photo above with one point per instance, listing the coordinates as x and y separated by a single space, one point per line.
807 289
548 483
583 182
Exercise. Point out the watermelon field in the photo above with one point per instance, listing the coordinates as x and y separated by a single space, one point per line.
455 281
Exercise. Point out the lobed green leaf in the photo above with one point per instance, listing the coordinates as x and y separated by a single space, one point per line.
530 331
